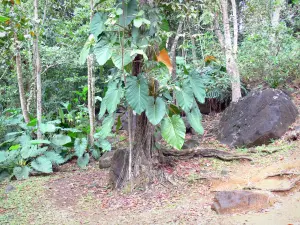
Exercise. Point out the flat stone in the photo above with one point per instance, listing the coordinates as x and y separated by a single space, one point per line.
226 202
9 188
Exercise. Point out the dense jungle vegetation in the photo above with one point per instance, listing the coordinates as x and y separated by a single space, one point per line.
69 68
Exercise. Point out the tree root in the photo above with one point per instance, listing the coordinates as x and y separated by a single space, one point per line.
283 174
189 153
293 184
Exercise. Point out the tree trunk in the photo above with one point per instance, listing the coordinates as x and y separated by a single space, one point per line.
20 80
91 90
141 158
173 48
275 18
37 71
231 65
235 29
91 102
218 32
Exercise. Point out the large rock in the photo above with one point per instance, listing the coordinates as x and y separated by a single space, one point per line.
105 159
258 118
240 201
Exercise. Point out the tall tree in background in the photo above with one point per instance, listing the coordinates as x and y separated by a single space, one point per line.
19 73
37 69
230 48
91 89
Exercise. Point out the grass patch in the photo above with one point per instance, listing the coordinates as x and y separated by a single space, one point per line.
23 204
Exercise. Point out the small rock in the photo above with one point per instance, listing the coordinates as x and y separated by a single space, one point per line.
239 201
9 188
224 172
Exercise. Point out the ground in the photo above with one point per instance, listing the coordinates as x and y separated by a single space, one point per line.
74 196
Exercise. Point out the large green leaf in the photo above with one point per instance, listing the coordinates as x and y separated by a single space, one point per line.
102 110
4 18
47 128
103 51
137 93
103 144
32 151
3 156
185 96
117 58
96 153
97 25
21 173
130 9
156 110
112 97
83 161
42 164
106 127
80 145
194 117
173 131
197 87
60 139
54 157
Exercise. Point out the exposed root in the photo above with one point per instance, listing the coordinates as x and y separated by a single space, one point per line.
292 185
283 174
226 156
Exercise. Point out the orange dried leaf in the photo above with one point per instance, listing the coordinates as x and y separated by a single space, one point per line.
165 59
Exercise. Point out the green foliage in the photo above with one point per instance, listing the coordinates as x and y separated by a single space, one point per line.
156 109
173 131
137 93
184 96
21 173
42 164
80 146
83 160
97 24
194 117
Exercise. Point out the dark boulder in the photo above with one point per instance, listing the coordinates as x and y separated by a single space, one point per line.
105 160
257 119
240 201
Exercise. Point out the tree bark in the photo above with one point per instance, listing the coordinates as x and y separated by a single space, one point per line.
231 65
91 90
37 70
20 80
137 165
218 32
235 29
173 48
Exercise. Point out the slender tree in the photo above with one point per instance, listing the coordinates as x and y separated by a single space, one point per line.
231 64
37 69
91 89
20 76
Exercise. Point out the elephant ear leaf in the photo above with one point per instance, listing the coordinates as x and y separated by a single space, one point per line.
197 87
97 25
173 131
185 96
137 93
194 117
156 110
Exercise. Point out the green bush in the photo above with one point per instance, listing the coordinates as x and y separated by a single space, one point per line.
262 61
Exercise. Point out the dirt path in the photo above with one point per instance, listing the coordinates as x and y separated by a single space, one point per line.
74 196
